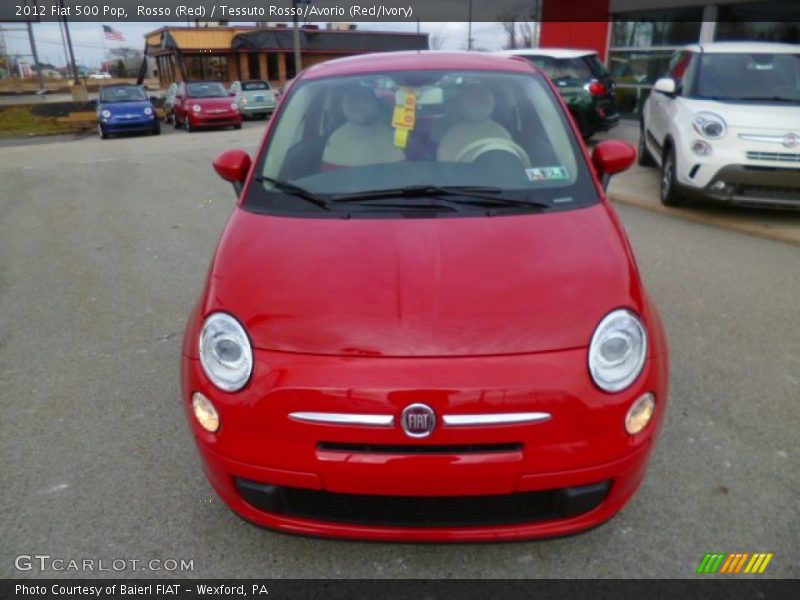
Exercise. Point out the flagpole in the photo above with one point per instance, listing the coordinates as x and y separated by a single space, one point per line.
103 41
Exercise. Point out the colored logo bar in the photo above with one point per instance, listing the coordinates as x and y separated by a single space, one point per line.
734 563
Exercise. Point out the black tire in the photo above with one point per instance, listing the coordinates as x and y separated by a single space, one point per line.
668 192
189 128
643 156
175 122
157 130
102 132
238 126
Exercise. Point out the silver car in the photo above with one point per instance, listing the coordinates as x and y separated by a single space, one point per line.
255 98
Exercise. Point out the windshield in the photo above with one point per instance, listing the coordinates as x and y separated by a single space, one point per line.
122 94
208 89
251 86
484 132
761 76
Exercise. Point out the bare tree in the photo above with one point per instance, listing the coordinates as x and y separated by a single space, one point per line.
516 21
437 40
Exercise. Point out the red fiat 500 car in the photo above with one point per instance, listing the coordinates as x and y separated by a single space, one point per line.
205 104
423 320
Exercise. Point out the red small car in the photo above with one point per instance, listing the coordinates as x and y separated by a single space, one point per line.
423 320
201 104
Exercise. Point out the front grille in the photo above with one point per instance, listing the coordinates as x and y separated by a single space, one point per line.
423 511
419 448
770 193
775 156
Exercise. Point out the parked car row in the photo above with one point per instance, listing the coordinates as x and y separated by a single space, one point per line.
124 108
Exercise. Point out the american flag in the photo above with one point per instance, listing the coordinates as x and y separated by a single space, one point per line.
113 34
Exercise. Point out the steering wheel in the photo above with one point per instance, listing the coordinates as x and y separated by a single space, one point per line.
472 151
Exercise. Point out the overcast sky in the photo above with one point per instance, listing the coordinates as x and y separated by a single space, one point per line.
88 42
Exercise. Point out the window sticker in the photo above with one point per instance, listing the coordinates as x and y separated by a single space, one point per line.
547 173
404 116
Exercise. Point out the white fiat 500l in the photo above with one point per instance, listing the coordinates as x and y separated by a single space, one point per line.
724 124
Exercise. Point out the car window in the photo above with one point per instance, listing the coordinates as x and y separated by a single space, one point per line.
748 77
362 133
206 89
566 69
251 86
122 94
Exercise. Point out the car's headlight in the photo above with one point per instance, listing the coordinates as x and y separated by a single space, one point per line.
196 108
234 106
106 114
148 111
711 126
225 352
617 351
244 100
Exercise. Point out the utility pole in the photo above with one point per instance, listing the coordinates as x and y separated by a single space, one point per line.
36 64
469 27
298 63
69 45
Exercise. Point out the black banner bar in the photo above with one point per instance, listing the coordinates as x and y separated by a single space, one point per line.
730 588
408 11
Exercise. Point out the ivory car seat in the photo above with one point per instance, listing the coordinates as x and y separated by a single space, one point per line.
362 139
477 104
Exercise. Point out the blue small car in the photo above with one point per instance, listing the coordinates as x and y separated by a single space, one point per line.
125 108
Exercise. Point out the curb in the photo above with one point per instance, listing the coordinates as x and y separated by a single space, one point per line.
705 218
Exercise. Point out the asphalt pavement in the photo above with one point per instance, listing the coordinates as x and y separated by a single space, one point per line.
103 249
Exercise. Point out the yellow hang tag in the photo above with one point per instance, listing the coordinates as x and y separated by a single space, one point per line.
403 117
401 137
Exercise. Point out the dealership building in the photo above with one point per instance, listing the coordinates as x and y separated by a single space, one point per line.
635 38
261 52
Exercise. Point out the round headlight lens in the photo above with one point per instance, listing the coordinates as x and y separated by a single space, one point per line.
148 111
225 352
234 106
711 126
617 350
106 114
196 108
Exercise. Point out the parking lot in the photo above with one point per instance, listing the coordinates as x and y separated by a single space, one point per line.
103 248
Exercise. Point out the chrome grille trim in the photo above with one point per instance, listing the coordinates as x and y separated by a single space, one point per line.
343 418
494 419
774 156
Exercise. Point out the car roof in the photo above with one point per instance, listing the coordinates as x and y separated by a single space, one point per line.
548 52
420 60
744 47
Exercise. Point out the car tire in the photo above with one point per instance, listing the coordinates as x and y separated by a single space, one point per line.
175 122
643 156
238 126
102 132
157 130
668 192
189 128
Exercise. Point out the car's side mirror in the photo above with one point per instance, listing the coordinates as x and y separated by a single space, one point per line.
666 85
231 93
233 166
93 103
611 157
153 99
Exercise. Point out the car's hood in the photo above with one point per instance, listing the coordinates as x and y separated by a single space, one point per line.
213 103
773 116
132 108
422 287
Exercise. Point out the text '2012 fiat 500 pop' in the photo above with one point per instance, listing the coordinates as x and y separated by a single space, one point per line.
423 320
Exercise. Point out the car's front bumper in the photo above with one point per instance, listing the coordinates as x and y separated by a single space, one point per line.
215 119
560 476
145 123
754 186
260 109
